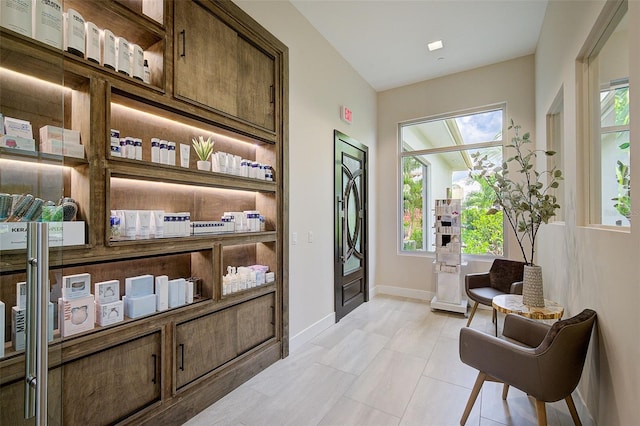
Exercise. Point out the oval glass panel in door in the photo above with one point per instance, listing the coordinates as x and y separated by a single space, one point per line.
352 190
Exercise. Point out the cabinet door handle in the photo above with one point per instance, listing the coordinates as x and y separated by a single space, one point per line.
181 356
273 315
272 94
154 379
183 34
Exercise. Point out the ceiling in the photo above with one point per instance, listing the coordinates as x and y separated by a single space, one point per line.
386 40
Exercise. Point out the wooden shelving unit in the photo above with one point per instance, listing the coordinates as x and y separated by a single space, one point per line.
172 363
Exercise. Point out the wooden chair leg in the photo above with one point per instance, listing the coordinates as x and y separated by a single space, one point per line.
541 411
472 398
505 390
573 411
473 312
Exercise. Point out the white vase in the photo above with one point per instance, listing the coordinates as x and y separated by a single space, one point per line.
204 165
532 287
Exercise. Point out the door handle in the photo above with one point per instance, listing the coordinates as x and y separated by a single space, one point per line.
154 379
37 318
183 35
181 357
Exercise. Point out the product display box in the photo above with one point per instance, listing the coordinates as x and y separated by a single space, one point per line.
109 313
59 135
58 147
177 292
76 286
13 235
107 291
48 22
21 294
135 307
76 315
162 293
18 326
16 142
139 286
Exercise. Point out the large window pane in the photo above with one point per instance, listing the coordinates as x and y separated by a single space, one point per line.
609 170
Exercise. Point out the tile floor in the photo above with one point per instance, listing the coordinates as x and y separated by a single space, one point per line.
392 361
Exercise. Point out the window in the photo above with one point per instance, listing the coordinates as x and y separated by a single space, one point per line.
555 138
435 159
608 94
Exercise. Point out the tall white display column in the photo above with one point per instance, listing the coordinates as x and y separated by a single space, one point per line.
450 294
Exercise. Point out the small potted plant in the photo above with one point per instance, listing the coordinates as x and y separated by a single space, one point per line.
527 200
203 149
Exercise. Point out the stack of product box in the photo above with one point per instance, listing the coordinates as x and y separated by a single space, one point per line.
109 307
139 299
56 140
76 309
18 318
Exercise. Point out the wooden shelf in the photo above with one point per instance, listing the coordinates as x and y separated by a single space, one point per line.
41 157
140 170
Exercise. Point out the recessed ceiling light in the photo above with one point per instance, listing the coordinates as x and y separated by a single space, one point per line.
435 45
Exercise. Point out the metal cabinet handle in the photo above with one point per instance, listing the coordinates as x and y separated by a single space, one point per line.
154 379
181 356
37 319
183 34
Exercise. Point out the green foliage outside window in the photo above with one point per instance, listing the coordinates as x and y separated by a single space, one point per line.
482 232
412 193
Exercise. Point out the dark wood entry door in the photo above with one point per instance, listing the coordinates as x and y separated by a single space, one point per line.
350 225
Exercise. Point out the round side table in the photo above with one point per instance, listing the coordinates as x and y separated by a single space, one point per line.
512 304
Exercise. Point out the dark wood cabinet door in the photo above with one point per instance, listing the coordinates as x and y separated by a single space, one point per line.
112 384
205 53
203 344
256 85
12 407
256 322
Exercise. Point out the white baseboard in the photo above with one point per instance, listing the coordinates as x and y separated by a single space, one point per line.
403 292
312 331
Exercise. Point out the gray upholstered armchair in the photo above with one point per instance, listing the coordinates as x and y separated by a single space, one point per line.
544 361
504 277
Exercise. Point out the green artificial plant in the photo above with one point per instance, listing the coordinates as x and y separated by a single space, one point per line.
527 200
623 177
203 148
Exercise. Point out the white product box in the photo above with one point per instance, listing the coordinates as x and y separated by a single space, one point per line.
107 291
135 307
18 327
123 56
157 223
162 293
108 49
207 227
59 134
76 315
48 22
188 291
21 295
92 46
109 313
76 286
17 127
137 61
177 292
13 235
59 147
1 329
269 277
16 15
16 142
141 285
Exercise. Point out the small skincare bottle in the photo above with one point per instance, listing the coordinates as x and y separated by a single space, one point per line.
137 62
74 33
138 148
171 146
123 56
164 152
92 47
108 49
147 73
155 150
131 148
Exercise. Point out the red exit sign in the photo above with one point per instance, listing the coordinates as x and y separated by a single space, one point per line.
346 114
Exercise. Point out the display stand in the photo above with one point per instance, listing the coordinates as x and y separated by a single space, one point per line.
450 295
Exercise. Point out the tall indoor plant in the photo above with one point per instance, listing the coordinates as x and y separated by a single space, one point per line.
527 200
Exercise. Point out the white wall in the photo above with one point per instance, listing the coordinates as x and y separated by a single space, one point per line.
587 267
511 82
320 80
